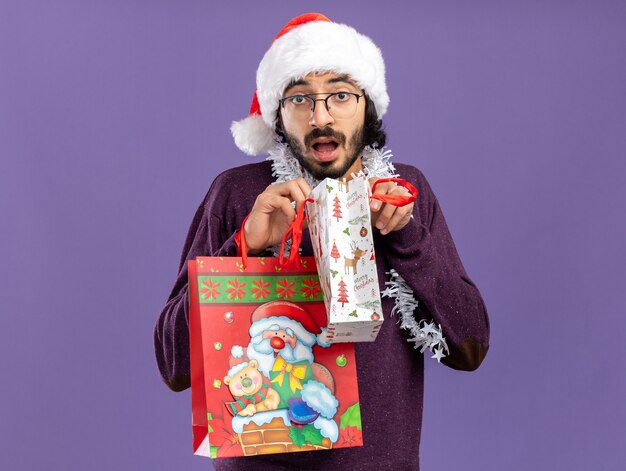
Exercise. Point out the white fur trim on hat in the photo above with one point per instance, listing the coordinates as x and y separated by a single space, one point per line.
252 135
319 398
270 323
320 46
236 369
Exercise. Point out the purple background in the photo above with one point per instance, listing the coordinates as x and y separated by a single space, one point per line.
114 120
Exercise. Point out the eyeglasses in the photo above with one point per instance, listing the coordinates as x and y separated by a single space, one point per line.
340 105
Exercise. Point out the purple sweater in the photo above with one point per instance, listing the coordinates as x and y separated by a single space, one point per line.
390 371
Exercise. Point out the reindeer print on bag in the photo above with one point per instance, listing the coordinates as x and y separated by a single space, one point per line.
352 262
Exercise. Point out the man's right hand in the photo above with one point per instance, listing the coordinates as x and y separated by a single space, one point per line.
272 214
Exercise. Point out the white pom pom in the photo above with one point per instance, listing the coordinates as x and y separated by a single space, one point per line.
237 351
252 135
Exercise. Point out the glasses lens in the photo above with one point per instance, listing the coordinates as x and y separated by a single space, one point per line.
342 105
299 106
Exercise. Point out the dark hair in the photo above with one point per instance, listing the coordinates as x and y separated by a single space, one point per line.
373 133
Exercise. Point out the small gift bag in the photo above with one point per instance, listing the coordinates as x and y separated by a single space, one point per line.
262 379
340 225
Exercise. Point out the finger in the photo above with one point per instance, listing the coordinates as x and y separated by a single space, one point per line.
382 189
297 190
301 192
374 204
400 215
298 187
385 215
284 204
268 202
304 186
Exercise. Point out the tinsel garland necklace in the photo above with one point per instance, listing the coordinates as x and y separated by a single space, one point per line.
376 163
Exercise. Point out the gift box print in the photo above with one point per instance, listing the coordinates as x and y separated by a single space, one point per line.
340 226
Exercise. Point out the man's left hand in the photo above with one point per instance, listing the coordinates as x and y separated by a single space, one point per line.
385 216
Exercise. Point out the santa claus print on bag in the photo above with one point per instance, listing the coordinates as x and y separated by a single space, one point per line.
280 387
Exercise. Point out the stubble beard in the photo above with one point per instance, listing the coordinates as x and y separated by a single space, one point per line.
322 170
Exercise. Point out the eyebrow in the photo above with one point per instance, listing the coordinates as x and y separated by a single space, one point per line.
295 83
342 79
339 79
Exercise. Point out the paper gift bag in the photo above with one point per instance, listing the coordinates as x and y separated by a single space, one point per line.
262 380
341 234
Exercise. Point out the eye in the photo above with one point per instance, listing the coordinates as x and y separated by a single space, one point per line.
298 100
341 96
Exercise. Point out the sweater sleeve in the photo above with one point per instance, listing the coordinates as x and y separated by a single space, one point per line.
424 254
208 235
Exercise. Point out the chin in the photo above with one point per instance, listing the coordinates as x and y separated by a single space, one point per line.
321 171
327 169
334 169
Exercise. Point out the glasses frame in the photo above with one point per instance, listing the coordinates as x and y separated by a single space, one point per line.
311 96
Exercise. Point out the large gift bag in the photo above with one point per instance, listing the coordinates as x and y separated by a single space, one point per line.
262 380
340 225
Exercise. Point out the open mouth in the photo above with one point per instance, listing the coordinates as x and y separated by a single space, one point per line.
325 149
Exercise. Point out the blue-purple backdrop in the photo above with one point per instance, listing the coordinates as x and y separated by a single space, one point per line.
114 119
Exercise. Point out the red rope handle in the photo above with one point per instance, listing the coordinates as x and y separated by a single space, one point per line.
396 200
295 230
242 248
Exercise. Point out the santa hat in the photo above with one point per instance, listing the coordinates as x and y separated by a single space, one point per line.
308 43
285 315
237 360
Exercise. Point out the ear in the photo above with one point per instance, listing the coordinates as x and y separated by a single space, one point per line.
227 380
254 364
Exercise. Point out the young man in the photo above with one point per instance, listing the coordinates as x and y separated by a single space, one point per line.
320 96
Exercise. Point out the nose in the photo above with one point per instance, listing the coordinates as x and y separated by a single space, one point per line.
246 382
277 343
320 117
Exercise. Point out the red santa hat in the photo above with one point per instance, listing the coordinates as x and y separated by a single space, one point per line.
285 315
308 43
237 360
